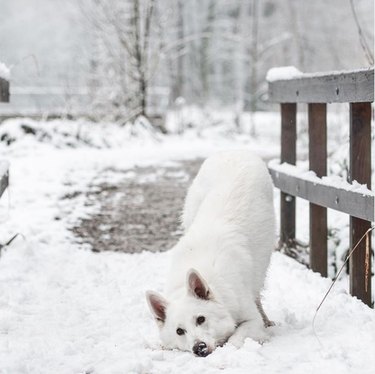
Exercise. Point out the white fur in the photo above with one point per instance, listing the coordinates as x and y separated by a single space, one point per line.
229 236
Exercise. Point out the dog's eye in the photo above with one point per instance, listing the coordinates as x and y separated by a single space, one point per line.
200 320
180 331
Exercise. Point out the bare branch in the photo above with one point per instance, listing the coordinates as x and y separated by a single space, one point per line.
362 39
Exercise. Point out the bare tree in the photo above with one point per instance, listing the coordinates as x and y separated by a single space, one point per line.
362 38
214 51
178 89
297 37
124 35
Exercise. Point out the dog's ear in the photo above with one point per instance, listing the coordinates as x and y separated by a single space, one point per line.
158 306
197 286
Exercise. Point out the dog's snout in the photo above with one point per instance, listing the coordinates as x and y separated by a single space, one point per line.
200 349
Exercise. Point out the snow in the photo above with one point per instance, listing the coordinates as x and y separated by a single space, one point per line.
4 71
335 72
283 73
310 176
291 72
65 309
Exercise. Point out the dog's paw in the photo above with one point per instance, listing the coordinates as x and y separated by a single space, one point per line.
261 339
239 340
259 335
236 340
269 323
253 329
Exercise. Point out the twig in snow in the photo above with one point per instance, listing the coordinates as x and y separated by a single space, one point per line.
10 241
367 273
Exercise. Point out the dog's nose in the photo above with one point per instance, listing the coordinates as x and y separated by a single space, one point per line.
200 349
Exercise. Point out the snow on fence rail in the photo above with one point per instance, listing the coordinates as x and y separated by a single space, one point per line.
357 89
333 87
354 199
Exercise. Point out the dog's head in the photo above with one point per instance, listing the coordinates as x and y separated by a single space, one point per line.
194 322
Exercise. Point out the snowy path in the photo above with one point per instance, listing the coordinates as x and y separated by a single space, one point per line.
140 212
65 309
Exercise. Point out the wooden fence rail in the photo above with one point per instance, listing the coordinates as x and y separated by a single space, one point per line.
316 90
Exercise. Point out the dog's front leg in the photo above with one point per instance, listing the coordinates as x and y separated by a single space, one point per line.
252 328
267 322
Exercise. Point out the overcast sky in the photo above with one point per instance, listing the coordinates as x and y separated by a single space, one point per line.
42 40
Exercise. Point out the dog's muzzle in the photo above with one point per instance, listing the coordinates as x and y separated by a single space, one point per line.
200 349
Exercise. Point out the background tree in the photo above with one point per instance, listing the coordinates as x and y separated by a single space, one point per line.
136 56
127 45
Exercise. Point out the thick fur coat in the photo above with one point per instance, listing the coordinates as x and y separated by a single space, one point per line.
219 266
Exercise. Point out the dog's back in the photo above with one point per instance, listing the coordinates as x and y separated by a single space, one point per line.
228 184
229 223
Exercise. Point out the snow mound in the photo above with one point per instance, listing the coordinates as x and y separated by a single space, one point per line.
24 132
73 311
19 134
4 71
283 73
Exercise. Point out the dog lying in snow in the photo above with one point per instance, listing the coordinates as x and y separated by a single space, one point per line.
219 265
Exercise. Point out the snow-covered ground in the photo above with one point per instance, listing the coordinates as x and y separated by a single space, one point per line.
65 309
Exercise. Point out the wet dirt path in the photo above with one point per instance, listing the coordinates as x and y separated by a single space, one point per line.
141 212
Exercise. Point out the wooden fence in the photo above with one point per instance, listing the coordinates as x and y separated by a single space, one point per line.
357 89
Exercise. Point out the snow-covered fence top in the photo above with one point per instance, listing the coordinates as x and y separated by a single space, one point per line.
288 87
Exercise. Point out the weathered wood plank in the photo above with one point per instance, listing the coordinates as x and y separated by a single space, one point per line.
318 163
354 203
288 154
4 90
334 87
4 176
360 170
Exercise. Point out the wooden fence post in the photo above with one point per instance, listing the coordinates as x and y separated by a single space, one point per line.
4 90
318 164
288 154
360 171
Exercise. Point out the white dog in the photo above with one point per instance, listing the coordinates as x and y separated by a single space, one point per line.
219 265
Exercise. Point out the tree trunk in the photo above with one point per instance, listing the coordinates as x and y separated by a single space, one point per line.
254 65
205 51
